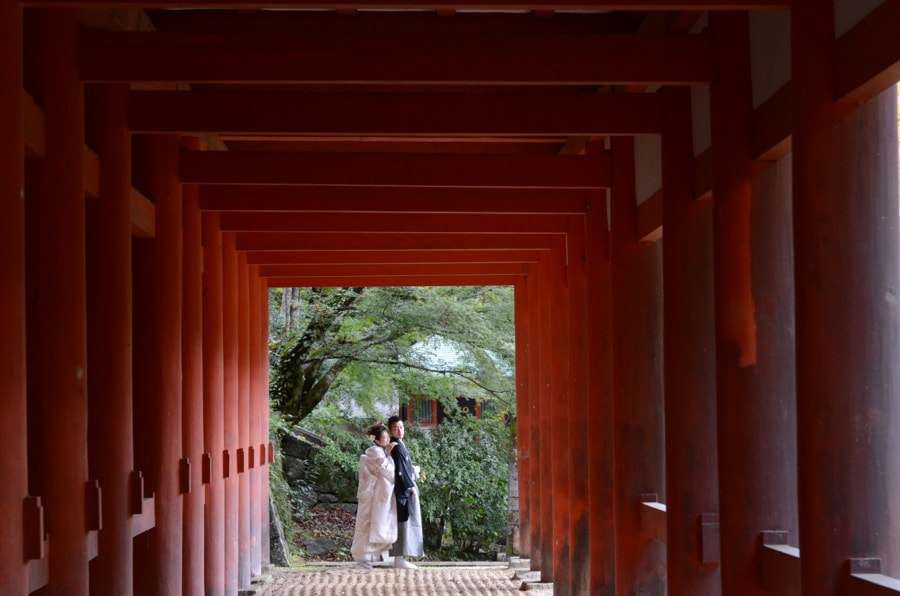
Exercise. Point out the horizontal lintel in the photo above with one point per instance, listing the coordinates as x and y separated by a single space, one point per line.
404 114
396 58
392 223
392 269
394 281
278 241
362 257
409 169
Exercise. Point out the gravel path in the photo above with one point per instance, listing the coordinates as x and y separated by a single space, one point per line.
349 580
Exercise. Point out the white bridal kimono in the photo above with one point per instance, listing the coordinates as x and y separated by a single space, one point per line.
376 513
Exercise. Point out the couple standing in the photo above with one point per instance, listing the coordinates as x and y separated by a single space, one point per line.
388 515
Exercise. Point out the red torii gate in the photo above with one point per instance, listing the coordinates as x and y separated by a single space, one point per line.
703 468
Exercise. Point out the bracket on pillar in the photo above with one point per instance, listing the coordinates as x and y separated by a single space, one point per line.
226 463
709 539
262 454
271 457
653 517
779 564
184 467
206 472
240 460
136 493
33 526
867 580
251 457
93 513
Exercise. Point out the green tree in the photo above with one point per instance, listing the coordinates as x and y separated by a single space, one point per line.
366 343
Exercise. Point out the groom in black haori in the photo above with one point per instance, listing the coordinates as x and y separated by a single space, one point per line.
409 514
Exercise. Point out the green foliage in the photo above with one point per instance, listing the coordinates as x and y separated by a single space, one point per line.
465 465
281 493
360 345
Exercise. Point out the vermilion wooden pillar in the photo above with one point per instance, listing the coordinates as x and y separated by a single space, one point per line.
213 406
579 400
192 393
14 465
558 445
230 412
536 417
243 421
846 282
258 402
523 420
754 322
637 383
601 460
689 371
264 421
545 356
158 364
109 312
56 319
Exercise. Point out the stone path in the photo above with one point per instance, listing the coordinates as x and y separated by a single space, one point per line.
431 579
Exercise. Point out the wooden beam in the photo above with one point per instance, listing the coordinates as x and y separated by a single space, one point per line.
867 58
277 241
393 223
392 269
263 198
91 166
143 215
512 5
372 169
392 59
361 257
402 114
772 126
394 281
33 121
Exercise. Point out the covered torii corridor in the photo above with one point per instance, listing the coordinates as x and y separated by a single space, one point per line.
696 202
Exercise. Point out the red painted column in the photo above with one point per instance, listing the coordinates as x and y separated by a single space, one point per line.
558 445
264 422
213 406
579 400
258 403
243 421
109 319
192 392
689 371
846 281
56 311
536 417
230 411
601 431
637 383
754 324
545 358
158 364
523 419
13 402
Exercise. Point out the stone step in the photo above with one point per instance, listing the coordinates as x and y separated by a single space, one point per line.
519 563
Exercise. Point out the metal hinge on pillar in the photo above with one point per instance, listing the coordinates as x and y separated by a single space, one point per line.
251 457
93 506
226 463
709 538
240 460
184 466
33 527
206 472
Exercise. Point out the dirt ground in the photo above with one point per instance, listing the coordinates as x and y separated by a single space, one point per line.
429 579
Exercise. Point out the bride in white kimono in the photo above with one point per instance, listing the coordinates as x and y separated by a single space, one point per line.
376 514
